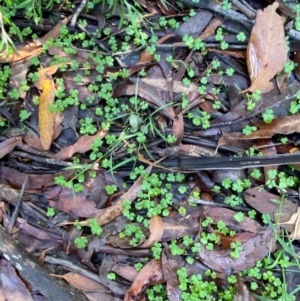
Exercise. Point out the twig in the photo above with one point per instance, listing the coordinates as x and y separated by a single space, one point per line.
50 161
18 204
244 9
77 13
68 264
228 13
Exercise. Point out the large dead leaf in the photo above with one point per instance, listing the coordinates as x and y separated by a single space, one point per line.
147 92
266 202
81 146
151 274
266 51
285 126
65 200
33 48
46 118
295 221
253 250
35 181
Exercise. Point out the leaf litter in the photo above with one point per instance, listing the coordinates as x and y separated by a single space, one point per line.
103 165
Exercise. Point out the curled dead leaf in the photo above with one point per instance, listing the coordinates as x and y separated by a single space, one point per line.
266 46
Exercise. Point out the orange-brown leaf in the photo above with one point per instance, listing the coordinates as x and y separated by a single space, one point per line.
266 51
33 48
156 229
81 146
46 118
151 274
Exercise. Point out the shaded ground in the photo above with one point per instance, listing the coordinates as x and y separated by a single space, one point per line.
149 150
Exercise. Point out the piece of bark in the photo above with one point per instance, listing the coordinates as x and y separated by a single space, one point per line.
37 275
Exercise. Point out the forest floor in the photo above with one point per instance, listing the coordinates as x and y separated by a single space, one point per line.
150 150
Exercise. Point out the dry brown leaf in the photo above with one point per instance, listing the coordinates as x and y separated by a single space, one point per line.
151 274
178 128
170 267
242 237
128 272
211 28
35 182
294 220
64 200
82 282
33 48
253 250
156 230
108 214
266 51
266 202
8 145
81 146
285 126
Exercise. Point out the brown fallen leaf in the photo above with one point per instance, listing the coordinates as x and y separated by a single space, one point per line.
82 282
12 286
108 214
227 216
35 181
285 126
242 291
178 128
266 202
161 83
128 272
33 48
295 221
242 237
64 200
170 267
266 51
8 145
150 274
156 230
240 54
81 146
252 251
148 93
